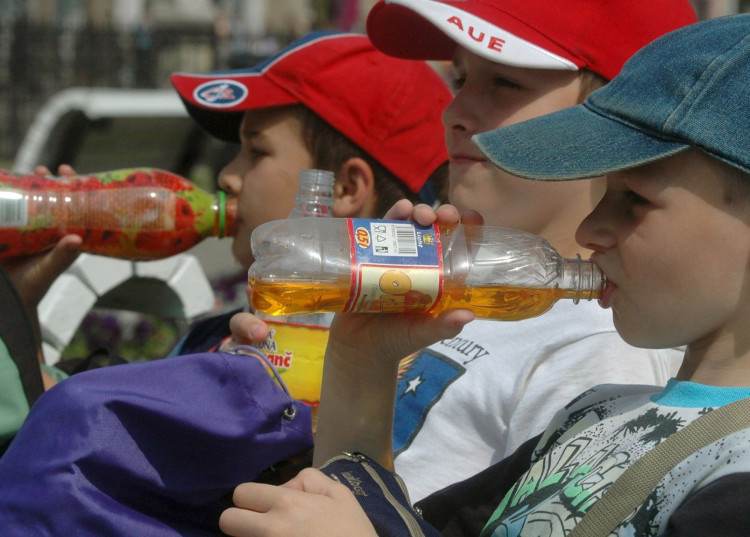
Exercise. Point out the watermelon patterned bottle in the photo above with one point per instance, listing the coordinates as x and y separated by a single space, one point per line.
134 214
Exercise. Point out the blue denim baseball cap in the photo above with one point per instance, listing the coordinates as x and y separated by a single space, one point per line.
688 88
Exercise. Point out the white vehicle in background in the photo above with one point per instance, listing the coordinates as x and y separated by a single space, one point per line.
99 129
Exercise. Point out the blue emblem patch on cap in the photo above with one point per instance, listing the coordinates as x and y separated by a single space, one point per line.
220 93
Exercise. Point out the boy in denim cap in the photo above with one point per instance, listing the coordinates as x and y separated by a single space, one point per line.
672 235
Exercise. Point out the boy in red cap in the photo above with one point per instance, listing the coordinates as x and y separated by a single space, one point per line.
482 393
328 101
514 60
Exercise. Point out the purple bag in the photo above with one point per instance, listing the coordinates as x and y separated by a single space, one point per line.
147 449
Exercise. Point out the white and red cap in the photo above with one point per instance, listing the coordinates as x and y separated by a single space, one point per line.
598 35
389 107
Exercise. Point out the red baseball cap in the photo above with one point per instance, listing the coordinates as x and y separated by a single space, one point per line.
598 35
391 108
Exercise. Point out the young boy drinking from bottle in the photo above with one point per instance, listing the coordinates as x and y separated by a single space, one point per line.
672 236
298 109
487 390
329 100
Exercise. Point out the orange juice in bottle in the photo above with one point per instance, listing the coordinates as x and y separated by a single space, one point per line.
359 265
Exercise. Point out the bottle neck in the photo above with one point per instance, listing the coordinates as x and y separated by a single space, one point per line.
314 195
317 208
225 209
581 279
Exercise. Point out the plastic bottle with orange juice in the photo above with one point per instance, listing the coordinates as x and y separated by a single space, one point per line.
380 266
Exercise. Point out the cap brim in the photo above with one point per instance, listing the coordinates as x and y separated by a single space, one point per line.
575 143
402 32
423 30
217 101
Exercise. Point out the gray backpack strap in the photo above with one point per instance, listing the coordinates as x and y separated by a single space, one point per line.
16 333
632 488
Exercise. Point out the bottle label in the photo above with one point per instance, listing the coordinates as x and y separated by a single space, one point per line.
14 209
297 351
396 266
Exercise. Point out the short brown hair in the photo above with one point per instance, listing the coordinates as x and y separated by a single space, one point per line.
590 81
330 149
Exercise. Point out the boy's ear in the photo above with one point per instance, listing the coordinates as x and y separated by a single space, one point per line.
354 191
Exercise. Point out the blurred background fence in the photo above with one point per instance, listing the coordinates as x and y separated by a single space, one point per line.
50 45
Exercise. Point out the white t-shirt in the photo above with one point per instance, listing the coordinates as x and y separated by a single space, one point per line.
468 402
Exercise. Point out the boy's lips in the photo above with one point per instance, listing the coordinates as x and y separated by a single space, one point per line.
609 288
605 300
466 158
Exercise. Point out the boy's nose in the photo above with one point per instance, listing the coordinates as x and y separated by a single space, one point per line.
593 233
230 182
458 117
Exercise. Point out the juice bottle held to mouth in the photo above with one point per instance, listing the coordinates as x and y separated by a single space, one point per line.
132 214
379 266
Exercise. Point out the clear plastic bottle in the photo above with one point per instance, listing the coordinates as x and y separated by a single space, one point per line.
132 214
296 345
314 194
396 266
314 199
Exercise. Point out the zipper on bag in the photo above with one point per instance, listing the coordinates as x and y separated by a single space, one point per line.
406 515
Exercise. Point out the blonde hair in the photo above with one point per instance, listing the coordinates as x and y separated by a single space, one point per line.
590 82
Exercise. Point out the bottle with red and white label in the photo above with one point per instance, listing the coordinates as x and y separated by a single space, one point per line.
377 266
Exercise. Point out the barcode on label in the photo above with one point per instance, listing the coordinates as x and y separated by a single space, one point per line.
13 210
394 240
406 240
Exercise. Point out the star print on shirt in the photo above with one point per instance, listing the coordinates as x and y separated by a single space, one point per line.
413 385
424 376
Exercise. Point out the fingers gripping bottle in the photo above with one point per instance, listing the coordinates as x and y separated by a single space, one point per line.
296 345
358 265
131 214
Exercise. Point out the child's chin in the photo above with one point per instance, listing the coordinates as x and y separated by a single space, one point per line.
637 335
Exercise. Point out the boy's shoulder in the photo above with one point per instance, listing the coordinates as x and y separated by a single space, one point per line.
636 418
597 437
593 406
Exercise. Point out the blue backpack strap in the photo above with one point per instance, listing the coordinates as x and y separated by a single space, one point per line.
16 333
381 494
